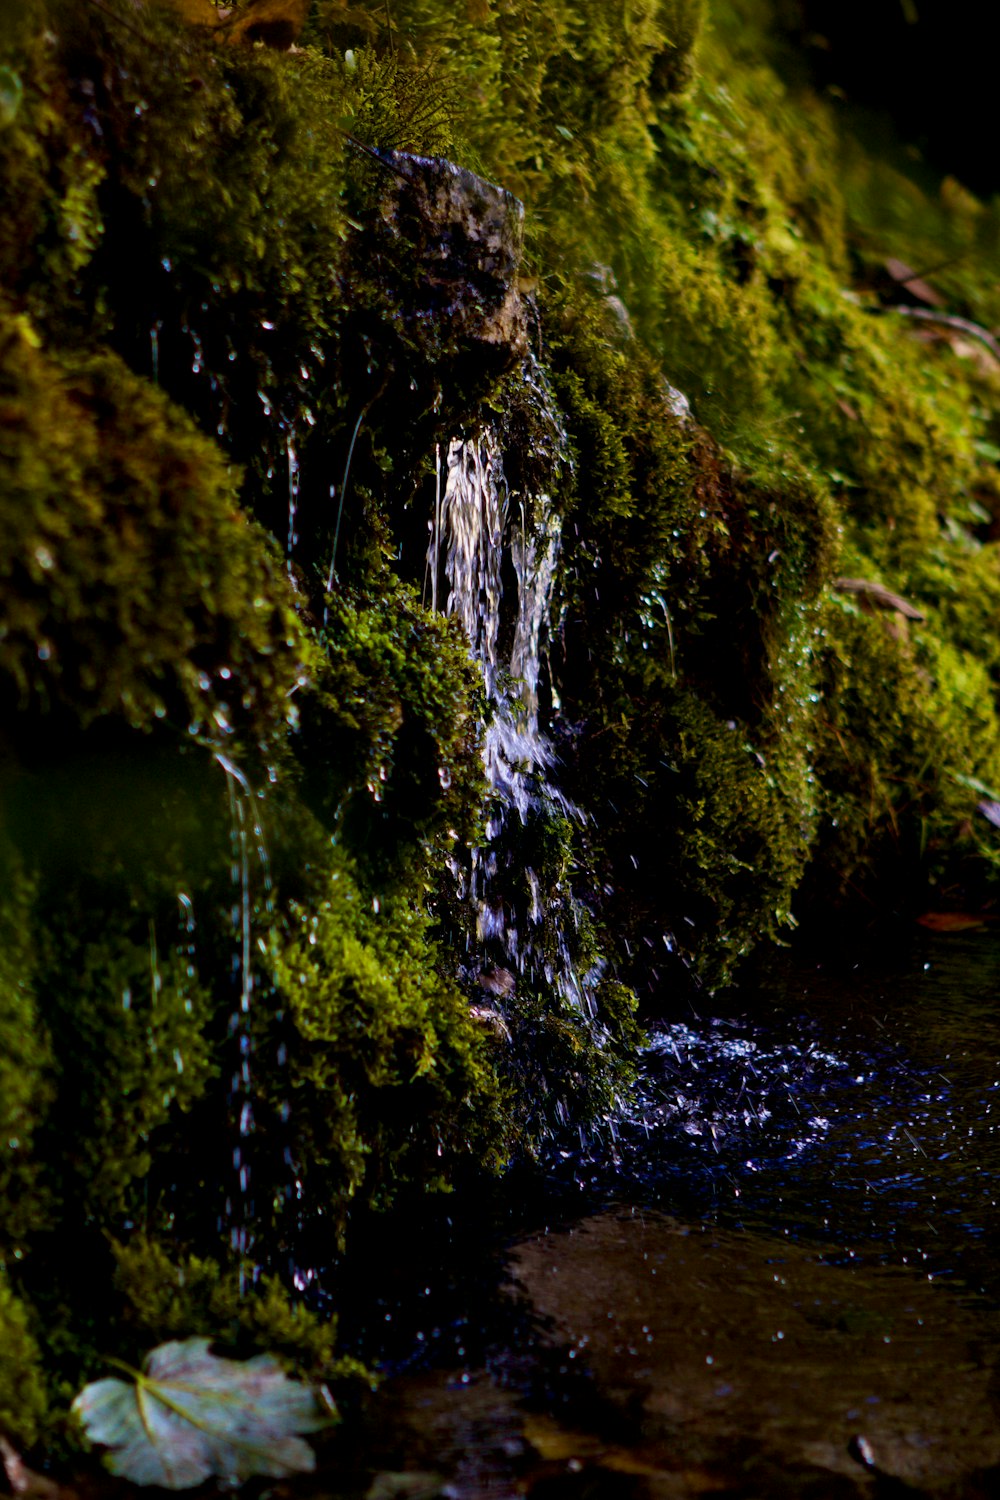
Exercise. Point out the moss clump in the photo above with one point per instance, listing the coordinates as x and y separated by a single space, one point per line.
389 733
143 593
131 1052
23 1398
382 1049
178 1297
910 728
685 654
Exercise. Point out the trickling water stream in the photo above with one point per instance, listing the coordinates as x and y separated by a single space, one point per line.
523 936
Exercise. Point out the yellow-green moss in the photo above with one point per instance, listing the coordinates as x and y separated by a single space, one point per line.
132 584
389 1075
175 1297
23 1396
906 719
389 732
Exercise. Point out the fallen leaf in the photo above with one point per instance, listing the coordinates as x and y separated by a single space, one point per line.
878 596
190 1414
914 283
950 921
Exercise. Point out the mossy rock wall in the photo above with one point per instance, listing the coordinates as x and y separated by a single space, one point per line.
240 760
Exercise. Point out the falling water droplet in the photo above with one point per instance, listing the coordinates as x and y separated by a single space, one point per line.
293 493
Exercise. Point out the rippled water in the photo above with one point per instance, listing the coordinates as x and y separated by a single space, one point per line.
862 1106
783 1279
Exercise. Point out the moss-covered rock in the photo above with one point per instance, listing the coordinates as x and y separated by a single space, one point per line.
242 987
380 1047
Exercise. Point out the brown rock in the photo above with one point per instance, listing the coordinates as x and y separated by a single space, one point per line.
465 236
276 23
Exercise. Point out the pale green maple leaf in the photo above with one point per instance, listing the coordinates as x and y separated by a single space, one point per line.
190 1414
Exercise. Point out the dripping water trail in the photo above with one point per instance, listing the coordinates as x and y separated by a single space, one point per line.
293 495
186 952
332 573
433 565
244 826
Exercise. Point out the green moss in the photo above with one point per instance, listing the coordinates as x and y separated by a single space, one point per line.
23 1397
51 222
131 1051
687 635
907 720
177 1297
389 732
144 593
26 1085
389 1076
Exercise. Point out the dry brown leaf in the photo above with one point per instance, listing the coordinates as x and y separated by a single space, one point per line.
950 921
914 283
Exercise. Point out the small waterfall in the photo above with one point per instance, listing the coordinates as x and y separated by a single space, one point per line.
473 517
525 919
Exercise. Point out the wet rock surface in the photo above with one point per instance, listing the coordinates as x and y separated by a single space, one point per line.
459 239
636 1354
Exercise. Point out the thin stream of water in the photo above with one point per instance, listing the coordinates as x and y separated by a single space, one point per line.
245 830
478 523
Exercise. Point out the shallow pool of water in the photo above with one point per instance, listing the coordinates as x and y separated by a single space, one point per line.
782 1278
